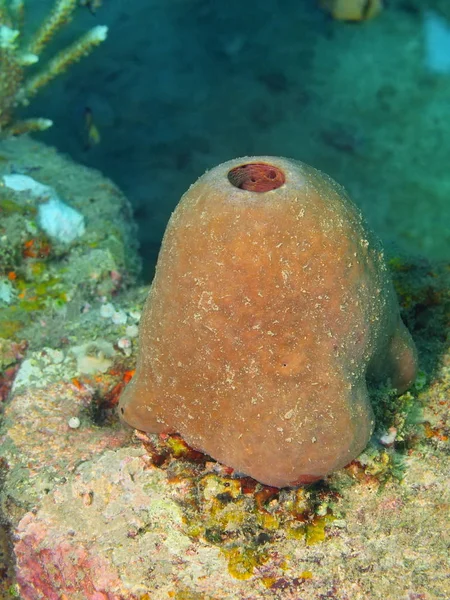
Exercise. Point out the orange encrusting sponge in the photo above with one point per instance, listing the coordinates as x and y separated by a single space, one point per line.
270 307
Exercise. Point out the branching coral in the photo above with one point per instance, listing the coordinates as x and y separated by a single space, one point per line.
15 87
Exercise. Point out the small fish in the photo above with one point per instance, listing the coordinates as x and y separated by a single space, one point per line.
352 10
91 132
91 5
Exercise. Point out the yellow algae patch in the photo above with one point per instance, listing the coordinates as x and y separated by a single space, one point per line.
315 531
242 561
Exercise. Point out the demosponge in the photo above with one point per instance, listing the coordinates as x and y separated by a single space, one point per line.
270 306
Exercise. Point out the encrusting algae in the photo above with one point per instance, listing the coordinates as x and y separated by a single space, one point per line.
271 309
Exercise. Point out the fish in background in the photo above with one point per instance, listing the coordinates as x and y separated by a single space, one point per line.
91 5
352 10
91 132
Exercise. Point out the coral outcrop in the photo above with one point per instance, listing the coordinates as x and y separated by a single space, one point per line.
93 512
270 309
51 266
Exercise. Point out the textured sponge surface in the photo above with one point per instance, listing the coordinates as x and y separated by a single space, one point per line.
268 310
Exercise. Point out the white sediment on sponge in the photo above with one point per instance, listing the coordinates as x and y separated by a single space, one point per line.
7 292
27 58
24 183
98 33
8 37
60 221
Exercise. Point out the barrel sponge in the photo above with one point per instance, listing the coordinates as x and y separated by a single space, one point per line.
270 309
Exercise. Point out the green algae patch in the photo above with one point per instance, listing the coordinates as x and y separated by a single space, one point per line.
10 207
11 323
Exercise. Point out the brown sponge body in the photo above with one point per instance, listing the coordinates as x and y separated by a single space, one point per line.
270 306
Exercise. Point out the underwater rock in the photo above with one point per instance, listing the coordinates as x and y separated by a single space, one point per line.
90 526
58 220
91 515
68 240
270 308
38 441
